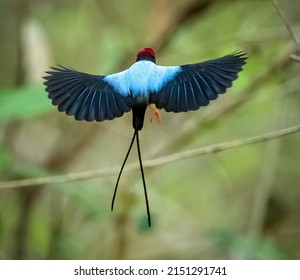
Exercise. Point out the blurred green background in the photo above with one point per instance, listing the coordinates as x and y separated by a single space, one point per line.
242 203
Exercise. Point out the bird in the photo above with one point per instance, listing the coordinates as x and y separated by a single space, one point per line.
172 88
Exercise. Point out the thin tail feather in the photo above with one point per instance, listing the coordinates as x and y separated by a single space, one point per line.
143 177
135 135
121 170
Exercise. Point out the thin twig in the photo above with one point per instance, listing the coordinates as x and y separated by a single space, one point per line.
269 166
286 23
295 57
150 163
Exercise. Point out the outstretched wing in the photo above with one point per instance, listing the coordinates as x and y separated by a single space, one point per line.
194 85
87 97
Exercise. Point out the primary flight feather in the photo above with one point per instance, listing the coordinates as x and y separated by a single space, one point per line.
172 88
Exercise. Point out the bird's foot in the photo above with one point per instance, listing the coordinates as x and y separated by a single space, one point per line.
156 116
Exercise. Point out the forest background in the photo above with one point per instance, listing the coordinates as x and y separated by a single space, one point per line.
238 200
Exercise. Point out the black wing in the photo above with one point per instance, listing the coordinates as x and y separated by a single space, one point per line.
87 97
196 84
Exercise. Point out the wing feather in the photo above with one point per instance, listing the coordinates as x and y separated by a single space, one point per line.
202 101
84 96
197 84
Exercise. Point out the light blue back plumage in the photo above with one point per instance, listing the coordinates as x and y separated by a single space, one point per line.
142 78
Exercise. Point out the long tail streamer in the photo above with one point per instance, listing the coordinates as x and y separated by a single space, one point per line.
135 135
143 178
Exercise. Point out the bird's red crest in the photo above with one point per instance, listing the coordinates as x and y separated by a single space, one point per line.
148 51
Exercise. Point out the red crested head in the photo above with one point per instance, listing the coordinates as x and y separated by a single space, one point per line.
147 51
146 54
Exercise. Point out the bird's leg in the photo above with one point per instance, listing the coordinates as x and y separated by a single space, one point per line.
156 115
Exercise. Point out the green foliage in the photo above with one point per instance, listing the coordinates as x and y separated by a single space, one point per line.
244 247
23 103
5 160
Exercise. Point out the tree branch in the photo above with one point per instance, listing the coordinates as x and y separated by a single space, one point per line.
286 23
295 57
150 163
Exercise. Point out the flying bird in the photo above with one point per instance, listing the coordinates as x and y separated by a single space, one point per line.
172 88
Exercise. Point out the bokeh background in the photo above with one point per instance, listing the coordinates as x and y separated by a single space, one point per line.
241 203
